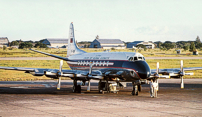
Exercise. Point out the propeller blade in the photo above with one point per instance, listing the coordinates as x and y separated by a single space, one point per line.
61 64
157 68
181 65
59 78
88 88
59 83
182 81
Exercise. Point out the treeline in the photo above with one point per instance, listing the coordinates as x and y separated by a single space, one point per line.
28 44
186 45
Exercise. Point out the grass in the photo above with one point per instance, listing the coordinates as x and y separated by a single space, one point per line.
62 52
11 75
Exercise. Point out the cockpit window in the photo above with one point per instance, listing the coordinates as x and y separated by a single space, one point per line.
139 58
135 58
130 59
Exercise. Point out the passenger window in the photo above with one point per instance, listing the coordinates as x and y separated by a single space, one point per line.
135 58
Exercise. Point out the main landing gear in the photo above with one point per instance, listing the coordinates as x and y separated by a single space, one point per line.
105 86
76 88
136 88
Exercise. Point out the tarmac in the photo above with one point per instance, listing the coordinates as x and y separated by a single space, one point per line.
41 98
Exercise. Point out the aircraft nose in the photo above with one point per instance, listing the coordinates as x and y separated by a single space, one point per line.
143 69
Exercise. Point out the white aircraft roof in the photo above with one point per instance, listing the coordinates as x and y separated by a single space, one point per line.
106 55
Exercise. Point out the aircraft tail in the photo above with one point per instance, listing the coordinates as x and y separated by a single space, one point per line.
72 47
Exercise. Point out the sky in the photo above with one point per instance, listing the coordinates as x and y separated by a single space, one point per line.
128 20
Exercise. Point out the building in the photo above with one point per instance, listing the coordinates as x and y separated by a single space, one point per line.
149 45
133 44
4 41
107 44
56 42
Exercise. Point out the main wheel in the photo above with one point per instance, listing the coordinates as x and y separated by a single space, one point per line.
101 86
136 93
79 88
74 89
139 88
133 92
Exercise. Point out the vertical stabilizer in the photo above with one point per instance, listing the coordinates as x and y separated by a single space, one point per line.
72 47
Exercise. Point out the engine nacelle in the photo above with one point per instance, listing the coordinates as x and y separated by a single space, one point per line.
50 74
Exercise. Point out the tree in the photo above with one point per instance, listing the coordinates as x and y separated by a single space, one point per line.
199 45
167 46
86 46
168 42
40 45
14 43
4 47
198 39
186 48
158 43
192 47
112 48
25 45
145 49
141 46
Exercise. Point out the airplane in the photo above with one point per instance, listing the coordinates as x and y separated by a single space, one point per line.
116 67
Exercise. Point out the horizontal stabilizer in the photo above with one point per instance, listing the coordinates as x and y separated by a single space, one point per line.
59 57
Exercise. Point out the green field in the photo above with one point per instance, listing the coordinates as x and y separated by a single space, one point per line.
63 52
10 75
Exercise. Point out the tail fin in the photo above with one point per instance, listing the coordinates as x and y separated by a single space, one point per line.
72 47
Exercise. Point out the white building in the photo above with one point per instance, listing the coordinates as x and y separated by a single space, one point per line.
4 41
135 43
107 44
56 42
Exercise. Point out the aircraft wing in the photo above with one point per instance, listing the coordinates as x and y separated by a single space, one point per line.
33 71
17 68
55 73
174 72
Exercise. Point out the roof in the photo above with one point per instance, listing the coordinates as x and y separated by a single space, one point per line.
57 40
108 55
109 41
136 42
3 40
130 45
113 46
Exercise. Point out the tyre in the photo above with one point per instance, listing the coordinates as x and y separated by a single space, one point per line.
139 88
79 88
74 89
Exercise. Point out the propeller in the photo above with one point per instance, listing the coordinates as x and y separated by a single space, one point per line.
90 75
59 78
182 74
